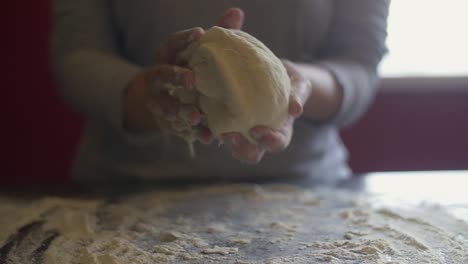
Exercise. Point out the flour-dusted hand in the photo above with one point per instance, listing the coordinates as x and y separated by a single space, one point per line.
164 97
269 139
150 102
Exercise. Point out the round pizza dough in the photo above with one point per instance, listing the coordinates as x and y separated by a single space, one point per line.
242 83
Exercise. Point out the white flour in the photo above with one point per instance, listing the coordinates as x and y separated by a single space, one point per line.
228 224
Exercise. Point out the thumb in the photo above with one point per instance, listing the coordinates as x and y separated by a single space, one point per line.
169 49
233 18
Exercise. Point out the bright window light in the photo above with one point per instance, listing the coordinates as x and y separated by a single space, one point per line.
427 38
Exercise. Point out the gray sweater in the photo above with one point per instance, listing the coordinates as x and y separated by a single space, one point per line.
98 46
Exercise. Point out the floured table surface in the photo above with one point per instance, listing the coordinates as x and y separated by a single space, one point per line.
233 223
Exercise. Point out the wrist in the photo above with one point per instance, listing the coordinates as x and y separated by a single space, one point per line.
325 94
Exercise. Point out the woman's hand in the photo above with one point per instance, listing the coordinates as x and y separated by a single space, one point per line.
269 139
155 87
149 102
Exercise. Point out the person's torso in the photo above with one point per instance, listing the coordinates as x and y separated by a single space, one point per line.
291 29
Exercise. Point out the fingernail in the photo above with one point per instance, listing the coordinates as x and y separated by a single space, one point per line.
295 109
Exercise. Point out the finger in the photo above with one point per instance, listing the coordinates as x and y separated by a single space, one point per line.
295 108
205 135
242 150
300 90
168 106
189 114
174 75
289 67
231 139
271 140
177 42
233 18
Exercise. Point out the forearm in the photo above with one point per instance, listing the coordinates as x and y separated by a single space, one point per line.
344 77
323 97
87 65
92 83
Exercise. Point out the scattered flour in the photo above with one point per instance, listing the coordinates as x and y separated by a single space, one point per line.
240 241
168 236
215 228
220 250
228 224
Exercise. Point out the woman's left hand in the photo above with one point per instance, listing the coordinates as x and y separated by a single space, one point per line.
269 140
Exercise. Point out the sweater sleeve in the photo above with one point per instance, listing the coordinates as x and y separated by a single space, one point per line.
352 52
88 69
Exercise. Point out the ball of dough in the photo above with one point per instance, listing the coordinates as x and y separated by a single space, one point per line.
242 83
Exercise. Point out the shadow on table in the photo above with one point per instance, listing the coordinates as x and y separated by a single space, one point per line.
127 186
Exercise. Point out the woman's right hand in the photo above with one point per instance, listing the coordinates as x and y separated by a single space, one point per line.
153 88
148 103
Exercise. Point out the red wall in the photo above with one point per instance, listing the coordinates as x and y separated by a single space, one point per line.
406 129
414 125
38 132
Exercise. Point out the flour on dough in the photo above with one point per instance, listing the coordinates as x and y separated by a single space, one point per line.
242 83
